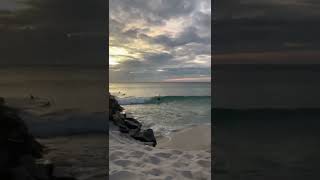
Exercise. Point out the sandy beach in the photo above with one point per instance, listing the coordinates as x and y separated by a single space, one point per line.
192 138
185 155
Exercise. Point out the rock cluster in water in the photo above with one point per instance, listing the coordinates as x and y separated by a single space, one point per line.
129 125
20 153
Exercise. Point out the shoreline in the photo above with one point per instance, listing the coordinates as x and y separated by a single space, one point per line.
195 137
185 155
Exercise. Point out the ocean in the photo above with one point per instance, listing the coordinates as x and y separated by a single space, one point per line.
67 87
267 121
74 125
166 107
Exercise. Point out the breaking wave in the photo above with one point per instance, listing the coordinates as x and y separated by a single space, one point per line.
159 99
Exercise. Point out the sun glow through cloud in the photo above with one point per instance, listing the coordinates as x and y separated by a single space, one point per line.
155 42
112 61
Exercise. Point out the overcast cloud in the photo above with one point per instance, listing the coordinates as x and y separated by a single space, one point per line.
160 40
266 25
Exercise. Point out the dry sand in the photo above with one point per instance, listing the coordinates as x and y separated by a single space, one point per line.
186 155
193 138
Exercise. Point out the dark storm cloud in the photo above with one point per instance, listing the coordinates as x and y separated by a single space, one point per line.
54 32
246 25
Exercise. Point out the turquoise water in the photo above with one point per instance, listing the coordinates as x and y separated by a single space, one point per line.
166 107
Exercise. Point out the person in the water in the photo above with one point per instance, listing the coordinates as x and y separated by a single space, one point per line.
31 97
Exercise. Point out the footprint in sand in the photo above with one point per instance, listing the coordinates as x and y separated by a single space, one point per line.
179 164
115 155
163 155
148 148
154 160
124 175
188 156
137 154
123 163
168 178
176 152
186 174
204 163
154 172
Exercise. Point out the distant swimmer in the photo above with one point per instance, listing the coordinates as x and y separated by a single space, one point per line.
158 98
31 97
121 94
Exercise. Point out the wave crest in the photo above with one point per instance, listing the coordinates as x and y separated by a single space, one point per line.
157 99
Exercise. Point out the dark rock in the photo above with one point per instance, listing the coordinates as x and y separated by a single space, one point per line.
132 132
129 125
19 150
132 123
37 149
146 136
123 129
113 106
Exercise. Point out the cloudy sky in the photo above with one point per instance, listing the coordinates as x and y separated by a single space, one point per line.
159 40
267 31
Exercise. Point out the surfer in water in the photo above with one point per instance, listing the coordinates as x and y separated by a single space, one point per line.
158 98
32 97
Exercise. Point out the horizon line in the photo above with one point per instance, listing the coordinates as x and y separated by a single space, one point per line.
165 82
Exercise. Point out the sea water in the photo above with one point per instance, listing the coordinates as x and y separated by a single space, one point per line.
76 94
66 87
74 125
166 107
279 141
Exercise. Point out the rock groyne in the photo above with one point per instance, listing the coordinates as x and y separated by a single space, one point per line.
129 125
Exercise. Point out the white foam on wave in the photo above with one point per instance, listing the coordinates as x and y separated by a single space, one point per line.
130 100
134 100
